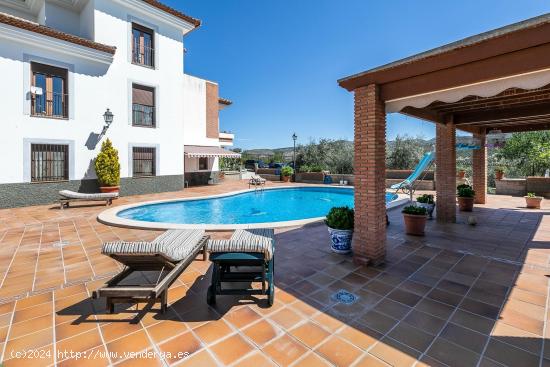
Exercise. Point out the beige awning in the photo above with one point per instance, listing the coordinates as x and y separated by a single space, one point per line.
198 151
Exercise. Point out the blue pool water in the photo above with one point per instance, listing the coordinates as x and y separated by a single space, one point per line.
249 207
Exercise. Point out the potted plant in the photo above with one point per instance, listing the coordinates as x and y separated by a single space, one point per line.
107 168
286 173
426 201
415 219
340 227
465 194
533 201
461 173
499 173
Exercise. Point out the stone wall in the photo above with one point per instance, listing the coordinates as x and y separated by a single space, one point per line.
511 186
201 178
538 185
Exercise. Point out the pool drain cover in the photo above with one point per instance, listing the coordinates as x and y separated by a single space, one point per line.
344 297
61 244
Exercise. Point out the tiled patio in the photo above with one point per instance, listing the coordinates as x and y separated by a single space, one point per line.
461 296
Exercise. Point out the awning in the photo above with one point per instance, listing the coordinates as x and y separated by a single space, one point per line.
198 151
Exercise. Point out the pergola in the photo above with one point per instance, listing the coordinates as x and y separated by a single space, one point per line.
495 80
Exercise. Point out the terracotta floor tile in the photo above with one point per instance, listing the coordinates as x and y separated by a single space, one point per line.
517 337
464 337
312 360
284 350
339 352
145 359
328 322
213 331
33 311
310 334
509 355
378 321
201 358
166 329
79 343
261 332
522 321
134 342
180 347
391 308
256 359
231 349
242 317
425 322
393 355
43 356
360 336
370 361
411 336
34 300
29 342
472 321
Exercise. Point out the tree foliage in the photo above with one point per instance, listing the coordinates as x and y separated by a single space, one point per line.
335 156
107 165
405 152
528 152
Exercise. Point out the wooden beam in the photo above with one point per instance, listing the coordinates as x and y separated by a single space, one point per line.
423 114
532 112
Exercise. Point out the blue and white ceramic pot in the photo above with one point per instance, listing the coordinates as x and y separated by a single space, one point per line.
340 240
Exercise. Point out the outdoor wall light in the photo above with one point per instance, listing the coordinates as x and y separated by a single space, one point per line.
108 117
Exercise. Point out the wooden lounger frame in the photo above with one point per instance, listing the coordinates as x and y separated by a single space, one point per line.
64 202
115 293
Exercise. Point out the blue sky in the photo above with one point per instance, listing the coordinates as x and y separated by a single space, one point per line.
279 60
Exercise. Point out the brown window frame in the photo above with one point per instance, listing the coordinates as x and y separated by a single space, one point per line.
146 55
50 104
49 162
144 115
138 156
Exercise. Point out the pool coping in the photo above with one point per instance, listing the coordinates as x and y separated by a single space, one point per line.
110 217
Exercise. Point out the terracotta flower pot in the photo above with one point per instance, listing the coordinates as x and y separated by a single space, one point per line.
499 175
415 224
286 178
533 202
461 174
465 204
109 188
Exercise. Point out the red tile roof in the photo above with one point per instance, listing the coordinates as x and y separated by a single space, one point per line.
174 12
224 101
47 31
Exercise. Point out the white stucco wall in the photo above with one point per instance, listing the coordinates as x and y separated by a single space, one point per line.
58 17
93 87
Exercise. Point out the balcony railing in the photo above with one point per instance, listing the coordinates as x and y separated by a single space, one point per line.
143 115
50 104
143 55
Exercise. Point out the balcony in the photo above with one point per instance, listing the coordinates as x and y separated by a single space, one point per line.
143 115
50 104
226 139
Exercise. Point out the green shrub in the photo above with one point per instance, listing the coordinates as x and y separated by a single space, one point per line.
462 186
287 171
107 166
531 195
426 199
340 218
465 192
499 169
414 210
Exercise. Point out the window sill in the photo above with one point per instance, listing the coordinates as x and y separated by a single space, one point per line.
145 126
50 117
144 176
144 65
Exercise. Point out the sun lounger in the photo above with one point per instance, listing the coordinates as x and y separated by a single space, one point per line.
256 181
247 257
68 196
150 267
407 185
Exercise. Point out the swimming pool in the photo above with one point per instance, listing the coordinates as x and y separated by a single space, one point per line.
272 207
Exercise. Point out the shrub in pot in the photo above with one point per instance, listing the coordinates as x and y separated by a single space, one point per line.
107 168
415 219
465 194
533 201
286 173
426 201
340 227
499 173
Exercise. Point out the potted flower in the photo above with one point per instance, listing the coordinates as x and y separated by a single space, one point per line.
461 173
426 201
107 168
286 173
415 219
465 194
533 201
340 227
499 173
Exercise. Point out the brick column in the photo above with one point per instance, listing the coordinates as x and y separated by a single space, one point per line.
445 174
479 170
369 238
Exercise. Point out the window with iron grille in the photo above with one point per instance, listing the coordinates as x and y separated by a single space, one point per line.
49 162
143 161
143 52
143 106
49 96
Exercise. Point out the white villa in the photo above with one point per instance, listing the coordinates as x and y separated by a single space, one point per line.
65 62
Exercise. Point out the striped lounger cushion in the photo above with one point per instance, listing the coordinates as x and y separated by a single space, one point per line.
175 245
246 240
68 194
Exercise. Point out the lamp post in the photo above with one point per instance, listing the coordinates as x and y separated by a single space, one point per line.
108 117
294 137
